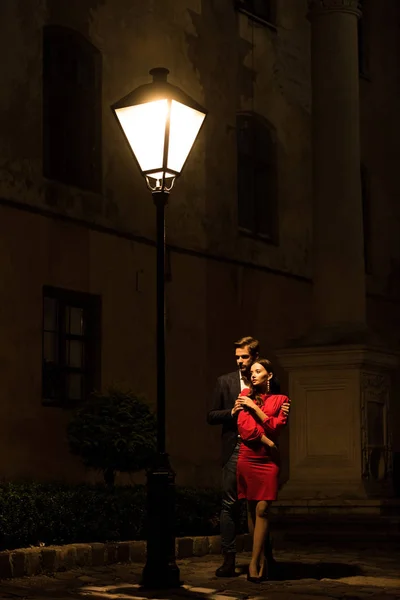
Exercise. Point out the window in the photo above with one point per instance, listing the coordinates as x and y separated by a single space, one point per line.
366 210
260 9
257 177
71 346
71 109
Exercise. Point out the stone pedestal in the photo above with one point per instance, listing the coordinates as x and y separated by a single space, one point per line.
340 440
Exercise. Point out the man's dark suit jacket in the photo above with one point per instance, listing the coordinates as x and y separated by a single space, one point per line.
226 391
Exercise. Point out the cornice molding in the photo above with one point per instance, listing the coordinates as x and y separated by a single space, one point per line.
318 7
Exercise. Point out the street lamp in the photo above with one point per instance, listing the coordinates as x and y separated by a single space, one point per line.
161 124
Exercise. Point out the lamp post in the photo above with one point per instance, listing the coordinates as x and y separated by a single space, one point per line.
161 124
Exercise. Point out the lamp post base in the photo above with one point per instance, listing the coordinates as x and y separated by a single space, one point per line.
161 570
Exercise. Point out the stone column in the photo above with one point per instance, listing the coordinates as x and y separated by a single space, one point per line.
338 233
339 426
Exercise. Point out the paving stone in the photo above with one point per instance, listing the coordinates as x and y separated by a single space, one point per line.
200 546
5 565
120 581
111 550
18 564
138 551
66 557
94 588
234 594
184 547
202 590
83 555
214 544
98 554
66 576
226 597
123 552
87 579
49 559
33 561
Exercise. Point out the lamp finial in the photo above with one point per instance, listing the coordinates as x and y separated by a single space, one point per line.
159 73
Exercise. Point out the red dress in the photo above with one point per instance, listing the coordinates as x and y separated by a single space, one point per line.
258 465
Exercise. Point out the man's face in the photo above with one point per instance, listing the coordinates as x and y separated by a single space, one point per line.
244 359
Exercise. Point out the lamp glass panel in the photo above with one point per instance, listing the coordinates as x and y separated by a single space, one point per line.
185 123
144 128
160 174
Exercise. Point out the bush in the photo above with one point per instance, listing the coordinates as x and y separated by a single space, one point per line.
33 513
197 511
59 514
114 431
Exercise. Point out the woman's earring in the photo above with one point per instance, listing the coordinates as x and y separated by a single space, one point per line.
268 386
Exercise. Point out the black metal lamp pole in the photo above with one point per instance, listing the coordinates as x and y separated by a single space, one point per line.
162 118
161 570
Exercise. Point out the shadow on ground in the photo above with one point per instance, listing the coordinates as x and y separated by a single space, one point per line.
289 571
284 571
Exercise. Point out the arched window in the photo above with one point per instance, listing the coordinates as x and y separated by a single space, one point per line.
257 177
71 109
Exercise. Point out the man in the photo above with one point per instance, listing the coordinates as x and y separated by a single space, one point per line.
226 404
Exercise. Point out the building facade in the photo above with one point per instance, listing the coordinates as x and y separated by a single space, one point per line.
245 225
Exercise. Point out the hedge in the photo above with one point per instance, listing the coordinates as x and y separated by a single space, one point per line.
37 513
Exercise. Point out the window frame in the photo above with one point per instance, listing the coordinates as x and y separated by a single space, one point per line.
90 304
266 167
76 174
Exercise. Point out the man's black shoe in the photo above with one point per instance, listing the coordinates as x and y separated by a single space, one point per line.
227 569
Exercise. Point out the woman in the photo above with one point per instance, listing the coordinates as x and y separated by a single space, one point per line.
263 415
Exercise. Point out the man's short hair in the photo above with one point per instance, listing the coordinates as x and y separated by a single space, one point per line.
252 343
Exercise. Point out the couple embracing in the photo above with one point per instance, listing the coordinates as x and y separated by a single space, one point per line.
251 411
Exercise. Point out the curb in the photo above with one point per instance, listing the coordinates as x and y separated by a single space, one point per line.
26 562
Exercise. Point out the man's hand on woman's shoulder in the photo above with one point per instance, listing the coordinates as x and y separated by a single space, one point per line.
285 408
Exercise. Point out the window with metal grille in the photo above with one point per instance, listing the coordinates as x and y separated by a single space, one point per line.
257 177
71 346
71 109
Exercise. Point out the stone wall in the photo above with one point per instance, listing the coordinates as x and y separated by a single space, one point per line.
222 285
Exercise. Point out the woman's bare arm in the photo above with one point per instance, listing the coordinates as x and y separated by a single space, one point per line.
265 440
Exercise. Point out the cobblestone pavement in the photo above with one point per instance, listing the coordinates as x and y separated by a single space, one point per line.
304 574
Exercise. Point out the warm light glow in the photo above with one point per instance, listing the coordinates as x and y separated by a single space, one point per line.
144 127
149 125
185 123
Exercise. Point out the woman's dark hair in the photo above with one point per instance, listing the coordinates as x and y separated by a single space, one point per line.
274 385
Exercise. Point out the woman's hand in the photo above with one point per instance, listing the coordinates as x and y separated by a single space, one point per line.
285 408
248 403
238 406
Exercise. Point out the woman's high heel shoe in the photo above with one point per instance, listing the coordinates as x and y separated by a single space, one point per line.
252 579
